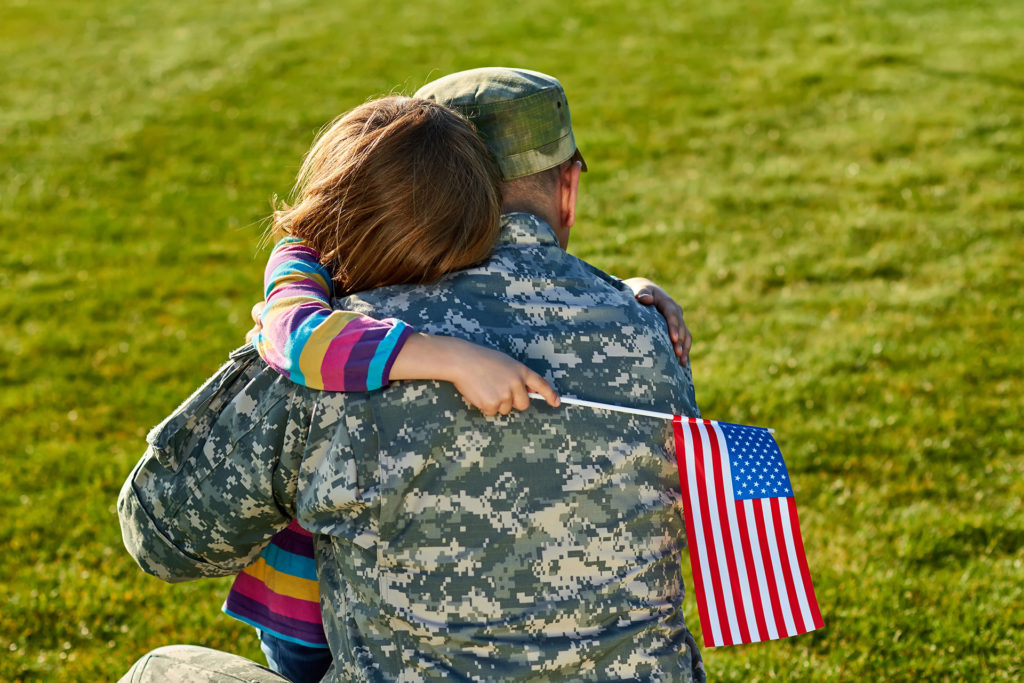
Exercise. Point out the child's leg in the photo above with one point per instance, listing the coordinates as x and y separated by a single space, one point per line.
297 663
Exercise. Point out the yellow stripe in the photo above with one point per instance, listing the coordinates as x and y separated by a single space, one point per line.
284 584
297 277
312 358
280 306
265 348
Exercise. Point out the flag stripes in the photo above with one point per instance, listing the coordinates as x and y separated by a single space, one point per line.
750 574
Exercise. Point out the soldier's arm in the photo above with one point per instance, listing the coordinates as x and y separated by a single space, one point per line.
210 510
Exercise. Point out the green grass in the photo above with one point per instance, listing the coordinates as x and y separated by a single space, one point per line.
832 189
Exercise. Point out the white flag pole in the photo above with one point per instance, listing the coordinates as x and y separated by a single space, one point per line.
568 400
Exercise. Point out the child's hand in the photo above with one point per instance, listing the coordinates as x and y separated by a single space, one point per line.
495 383
257 311
648 293
491 381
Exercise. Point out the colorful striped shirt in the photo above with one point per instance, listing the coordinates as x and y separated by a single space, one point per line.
307 341
280 593
311 344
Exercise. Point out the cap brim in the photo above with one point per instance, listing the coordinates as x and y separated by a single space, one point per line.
579 157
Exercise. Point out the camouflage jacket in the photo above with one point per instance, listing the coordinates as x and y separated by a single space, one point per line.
543 545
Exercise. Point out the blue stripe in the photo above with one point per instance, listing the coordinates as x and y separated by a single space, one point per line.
285 562
294 266
296 342
300 265
277 634
375 375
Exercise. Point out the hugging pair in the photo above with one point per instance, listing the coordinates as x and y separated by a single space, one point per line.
398 191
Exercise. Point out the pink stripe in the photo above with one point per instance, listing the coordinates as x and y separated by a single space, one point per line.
290 607
290 252
723 522
691 533
280 330
297 528
285 323
306 287
335 360
805 572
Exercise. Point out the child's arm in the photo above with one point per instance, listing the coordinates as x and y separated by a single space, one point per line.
311 344
303 338
648 293
490 380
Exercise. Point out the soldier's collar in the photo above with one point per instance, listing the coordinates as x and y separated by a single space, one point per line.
525 228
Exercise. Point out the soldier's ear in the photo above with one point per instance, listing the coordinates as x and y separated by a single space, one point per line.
568 186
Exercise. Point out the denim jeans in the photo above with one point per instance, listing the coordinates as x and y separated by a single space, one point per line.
297 663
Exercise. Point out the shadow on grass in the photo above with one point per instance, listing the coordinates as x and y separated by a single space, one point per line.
984 78
895 59
966 543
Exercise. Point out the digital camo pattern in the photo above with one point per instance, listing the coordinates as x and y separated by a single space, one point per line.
192 664
542 545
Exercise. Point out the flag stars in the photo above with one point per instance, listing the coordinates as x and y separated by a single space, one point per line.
756 466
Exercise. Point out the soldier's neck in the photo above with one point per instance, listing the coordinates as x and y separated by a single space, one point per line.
544 213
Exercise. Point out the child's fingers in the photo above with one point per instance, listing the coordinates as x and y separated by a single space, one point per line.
675 336
677 330
538 385
520 400
505 407
488 408
648 295
257 311
684 344
486 401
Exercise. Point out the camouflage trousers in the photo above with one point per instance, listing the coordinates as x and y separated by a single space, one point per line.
194 664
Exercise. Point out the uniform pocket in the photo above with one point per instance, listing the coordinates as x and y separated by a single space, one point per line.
189 425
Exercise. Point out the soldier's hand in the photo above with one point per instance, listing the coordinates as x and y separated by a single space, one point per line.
650 294
257 310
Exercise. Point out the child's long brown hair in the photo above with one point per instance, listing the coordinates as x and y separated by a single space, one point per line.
398 190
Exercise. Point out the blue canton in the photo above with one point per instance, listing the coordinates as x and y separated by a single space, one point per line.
758 470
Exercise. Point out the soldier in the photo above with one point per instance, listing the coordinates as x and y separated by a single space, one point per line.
539 545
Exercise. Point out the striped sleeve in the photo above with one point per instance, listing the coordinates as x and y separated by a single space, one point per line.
279 593
312 344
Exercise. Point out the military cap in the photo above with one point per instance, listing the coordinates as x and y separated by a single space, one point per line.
523 116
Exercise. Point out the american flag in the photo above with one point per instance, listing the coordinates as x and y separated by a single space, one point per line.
750 574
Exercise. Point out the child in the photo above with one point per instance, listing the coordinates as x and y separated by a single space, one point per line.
396 191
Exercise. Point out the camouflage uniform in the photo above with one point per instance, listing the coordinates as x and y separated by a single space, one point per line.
194 664
542 545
